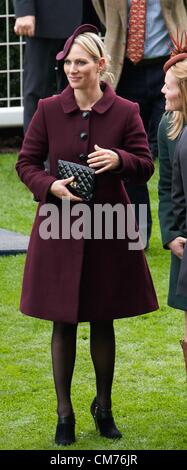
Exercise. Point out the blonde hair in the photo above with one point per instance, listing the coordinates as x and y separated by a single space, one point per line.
93 44
179 118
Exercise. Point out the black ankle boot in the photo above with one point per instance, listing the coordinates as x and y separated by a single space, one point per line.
104 421
65 430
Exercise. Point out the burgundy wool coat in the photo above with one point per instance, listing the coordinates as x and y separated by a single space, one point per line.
85 280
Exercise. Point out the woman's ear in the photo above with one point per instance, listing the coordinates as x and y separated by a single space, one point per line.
102 64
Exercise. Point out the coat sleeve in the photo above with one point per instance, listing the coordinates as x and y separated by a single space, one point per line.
168 226
136 163
34 152
179 183
24 8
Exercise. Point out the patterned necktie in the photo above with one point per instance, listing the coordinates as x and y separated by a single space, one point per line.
136 33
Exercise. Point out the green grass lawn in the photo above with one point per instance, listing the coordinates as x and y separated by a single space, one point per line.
149 392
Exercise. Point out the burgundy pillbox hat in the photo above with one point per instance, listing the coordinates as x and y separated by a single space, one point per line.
173 60
84 28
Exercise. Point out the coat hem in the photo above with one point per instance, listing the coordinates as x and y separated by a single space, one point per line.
90 320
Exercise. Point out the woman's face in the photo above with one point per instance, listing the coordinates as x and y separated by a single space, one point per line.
172 93
81 69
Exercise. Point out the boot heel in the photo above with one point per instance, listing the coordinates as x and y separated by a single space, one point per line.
96 424
94 414
104 421
184 348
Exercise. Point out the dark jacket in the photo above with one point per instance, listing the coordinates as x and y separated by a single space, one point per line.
179 182
54 18
179 200
85 280
168 223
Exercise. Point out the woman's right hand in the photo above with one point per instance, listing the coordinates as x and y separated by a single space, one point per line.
177 246
58 189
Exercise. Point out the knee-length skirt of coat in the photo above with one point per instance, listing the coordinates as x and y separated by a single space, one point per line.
85 280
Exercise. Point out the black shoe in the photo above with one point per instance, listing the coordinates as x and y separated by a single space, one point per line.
104 421
65 430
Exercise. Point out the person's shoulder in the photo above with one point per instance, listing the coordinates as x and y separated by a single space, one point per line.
49 99
183 134
165 120
49 102
182 139
127 106
164 124
123 102
181 144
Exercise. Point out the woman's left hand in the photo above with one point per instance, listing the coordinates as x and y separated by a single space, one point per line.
103 159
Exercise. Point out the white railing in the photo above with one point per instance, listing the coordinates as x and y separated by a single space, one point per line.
11 105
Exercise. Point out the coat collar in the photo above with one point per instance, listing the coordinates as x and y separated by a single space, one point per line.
69 104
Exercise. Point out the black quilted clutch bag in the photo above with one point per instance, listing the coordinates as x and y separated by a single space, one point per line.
83 184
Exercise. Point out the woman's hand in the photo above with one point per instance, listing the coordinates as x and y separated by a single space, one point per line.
177 246
58 189
103 159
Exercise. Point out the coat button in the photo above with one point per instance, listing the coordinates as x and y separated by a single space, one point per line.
85 115
83 135
82 156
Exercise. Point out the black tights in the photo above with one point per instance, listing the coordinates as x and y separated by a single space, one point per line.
102 348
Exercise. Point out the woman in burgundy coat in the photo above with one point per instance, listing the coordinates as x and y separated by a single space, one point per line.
68 280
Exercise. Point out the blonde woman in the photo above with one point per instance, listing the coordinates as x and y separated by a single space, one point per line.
69 280
172 218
